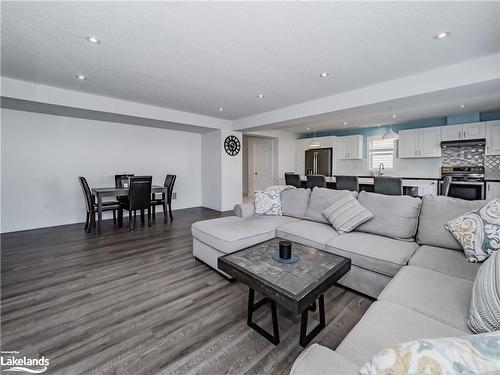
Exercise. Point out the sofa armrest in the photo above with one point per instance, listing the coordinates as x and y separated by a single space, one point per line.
319 360
244 209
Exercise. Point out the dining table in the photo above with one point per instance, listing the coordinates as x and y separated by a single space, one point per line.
107 192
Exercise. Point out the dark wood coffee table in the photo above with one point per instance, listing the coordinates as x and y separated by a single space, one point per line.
296 286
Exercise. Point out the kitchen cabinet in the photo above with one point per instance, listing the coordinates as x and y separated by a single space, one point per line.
492 190
475 130
493 137
350 147
420 143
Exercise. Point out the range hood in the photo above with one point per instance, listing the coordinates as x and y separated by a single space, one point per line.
464 143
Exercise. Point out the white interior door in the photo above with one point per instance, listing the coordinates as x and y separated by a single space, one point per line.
263 164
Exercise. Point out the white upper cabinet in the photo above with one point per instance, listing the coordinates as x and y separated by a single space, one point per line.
408 143
420 143
493 137
451 133
429 142
349 147
475 130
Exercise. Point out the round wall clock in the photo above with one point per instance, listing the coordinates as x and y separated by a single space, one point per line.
232 145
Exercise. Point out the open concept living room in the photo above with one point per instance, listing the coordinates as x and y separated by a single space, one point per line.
250 187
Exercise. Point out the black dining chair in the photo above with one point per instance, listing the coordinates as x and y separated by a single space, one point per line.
388 185
165 201
91 206
347 183
139 198
445 187
293 179
316 180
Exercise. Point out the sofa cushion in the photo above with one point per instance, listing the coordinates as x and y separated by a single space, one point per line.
376 253
478 232
319 360
386 324
294 202
394 216
485 301
446 261
232 233
346 214
308 233
439 296
436 212
321 198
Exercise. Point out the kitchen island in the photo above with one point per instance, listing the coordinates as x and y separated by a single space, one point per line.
415 186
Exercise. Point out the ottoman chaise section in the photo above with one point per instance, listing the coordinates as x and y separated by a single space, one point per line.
225 235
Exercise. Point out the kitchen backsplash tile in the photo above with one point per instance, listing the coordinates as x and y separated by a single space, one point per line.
491 166
464 155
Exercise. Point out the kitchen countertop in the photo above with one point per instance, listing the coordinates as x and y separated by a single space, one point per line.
368 180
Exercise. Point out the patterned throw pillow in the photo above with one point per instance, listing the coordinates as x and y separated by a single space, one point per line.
478 231
346 214
475 354
268 203
484 311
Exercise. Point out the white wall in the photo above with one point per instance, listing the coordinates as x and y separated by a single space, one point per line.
211 171
42 156
221 173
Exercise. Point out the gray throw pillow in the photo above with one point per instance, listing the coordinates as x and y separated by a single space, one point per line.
484 312
346 214
478 231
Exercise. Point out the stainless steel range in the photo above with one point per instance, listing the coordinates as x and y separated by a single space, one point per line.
460 173
467 182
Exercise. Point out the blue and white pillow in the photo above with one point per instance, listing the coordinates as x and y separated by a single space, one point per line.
475 354
268 203
478 231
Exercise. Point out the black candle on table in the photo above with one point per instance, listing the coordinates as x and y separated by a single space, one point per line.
285 249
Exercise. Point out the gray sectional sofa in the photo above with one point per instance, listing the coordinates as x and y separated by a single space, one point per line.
403 257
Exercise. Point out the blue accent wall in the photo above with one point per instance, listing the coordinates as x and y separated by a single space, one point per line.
463 118
426 123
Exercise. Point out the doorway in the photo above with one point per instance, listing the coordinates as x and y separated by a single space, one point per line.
259 163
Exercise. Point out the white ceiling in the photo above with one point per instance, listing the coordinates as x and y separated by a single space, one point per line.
200 56
476 98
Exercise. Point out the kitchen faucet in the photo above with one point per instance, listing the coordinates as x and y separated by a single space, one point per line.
380 169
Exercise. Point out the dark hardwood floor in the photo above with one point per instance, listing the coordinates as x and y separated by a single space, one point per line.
139 303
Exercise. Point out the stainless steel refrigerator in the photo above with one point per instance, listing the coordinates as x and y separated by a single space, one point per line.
319 161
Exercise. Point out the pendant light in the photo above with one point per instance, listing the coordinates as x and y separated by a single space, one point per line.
314 142
391 135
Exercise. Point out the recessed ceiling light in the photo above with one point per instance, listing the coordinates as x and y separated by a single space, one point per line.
93 40
260 96
324 74
81 77
441 35
308 129
462 105
345 123
221 109
394 116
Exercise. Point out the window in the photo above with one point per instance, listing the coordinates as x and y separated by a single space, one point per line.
380 151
